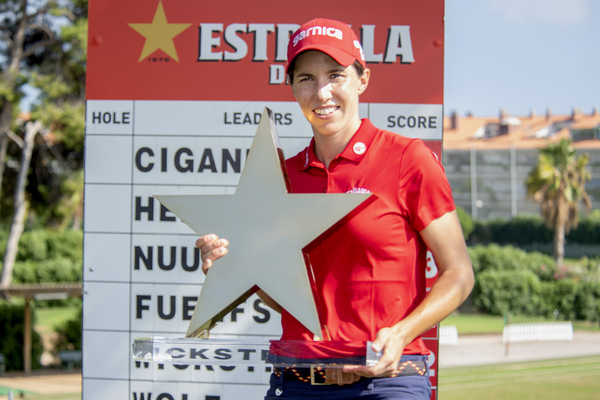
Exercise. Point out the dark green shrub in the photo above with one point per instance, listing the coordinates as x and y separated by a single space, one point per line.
54 270
508 258
69 334
588 230
466 222
559 295
11 334
502 291
587 301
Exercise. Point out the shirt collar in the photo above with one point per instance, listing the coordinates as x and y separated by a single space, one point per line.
355 151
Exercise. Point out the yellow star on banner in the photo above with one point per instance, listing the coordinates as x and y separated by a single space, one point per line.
159 34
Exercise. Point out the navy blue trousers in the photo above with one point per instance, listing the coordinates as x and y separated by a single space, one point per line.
401 387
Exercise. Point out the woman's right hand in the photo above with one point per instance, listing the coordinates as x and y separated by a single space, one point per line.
211 248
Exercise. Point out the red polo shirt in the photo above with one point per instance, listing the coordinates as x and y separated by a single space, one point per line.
370 273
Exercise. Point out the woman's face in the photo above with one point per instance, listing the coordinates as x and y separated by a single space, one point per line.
328 93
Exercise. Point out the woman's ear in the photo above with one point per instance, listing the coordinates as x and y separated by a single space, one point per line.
364 81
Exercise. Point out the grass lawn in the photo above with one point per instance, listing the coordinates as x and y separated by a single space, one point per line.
49 318
572 379
482 323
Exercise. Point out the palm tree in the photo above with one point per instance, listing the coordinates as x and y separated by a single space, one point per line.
558 182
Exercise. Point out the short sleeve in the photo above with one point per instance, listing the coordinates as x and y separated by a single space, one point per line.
423 191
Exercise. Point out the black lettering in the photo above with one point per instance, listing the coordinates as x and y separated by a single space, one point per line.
236 163
391 122
163 214
139 306
288 119
433 122
226 368
222 354
188 309
188 162
171 350
235 312
139 255
225 119
164 396
422 122
96 117
264 354
125 117
208 161
258 308
161 312
236 118
247 119
138 159
412 121
198 353
181 366
212 397
139 209
246 353
114 118
161 263
257 117
401 125
106 121
184 263
278 118
163 159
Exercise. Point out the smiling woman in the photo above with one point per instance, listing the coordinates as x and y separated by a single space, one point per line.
369 273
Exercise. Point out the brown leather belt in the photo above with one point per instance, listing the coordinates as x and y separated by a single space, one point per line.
333 375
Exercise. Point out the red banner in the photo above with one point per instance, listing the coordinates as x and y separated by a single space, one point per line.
235 50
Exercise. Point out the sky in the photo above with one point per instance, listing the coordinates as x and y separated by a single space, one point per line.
522 55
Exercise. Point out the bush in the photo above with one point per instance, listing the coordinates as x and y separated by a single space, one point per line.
69 334
520 230
588 230
499 292
54 270
508 258
11 331
525 230
559 295
466 222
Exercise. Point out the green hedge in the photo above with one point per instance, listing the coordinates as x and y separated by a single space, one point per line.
509 258
523 230
47 256
508 279
11 337
69 334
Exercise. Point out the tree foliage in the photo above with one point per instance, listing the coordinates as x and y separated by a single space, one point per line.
558 183
43 44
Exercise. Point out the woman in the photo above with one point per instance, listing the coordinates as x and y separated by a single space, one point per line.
370 273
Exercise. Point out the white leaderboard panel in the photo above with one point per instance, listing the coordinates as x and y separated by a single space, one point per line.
142 273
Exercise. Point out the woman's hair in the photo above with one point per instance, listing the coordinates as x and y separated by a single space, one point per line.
360 70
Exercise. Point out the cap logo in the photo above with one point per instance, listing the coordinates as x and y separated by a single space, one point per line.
359 47
318 30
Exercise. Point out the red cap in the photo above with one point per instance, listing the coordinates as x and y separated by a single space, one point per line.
332 37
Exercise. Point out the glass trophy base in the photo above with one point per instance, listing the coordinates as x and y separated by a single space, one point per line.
184 351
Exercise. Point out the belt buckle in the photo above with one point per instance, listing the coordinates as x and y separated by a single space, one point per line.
314 368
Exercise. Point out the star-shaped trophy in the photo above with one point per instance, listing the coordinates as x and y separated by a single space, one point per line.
267 227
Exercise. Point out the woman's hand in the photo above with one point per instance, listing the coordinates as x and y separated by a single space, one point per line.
211 248
391 345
